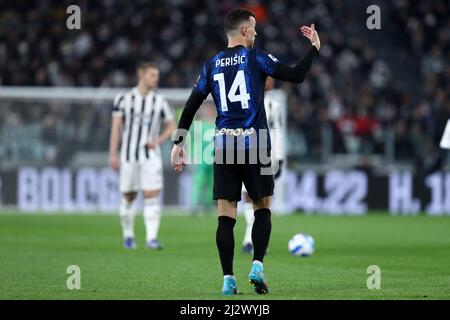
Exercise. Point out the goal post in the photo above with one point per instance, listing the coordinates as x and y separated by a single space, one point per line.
54 142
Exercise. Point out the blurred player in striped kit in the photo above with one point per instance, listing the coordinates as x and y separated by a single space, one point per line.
275 123
137 117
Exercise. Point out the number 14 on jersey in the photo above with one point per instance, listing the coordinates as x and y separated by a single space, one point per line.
238 83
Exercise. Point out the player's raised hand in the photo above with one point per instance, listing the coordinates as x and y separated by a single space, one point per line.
177 158
312 35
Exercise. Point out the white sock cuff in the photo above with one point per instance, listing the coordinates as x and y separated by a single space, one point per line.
152 208
258 262
248 206
151 201
127 204
229 276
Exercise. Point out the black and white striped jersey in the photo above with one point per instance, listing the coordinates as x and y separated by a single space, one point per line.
275 123
142 119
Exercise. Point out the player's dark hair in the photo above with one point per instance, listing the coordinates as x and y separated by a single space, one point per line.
235 16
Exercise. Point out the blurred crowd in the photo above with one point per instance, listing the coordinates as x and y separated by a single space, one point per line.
382 92
51 133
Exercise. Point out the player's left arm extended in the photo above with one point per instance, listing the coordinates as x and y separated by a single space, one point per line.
187 116
167 132
298 73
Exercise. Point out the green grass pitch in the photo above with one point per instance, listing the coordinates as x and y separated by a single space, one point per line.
413 254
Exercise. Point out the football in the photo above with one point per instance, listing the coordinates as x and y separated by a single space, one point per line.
301 245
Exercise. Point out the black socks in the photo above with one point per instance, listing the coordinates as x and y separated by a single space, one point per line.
225 243
260 237
261 233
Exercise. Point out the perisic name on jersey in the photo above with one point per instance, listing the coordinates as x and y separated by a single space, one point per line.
230 61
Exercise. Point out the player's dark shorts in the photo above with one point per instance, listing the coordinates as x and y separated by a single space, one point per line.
229 176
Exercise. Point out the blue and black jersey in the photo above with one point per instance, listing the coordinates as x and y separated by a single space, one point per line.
236 77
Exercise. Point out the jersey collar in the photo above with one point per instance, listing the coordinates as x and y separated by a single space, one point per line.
136 92
239 46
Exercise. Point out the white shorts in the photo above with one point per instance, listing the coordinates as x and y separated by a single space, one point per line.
145 176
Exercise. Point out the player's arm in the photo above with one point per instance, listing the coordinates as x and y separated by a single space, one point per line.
187 116
167 132
195 100
169 126
116 128
298 72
